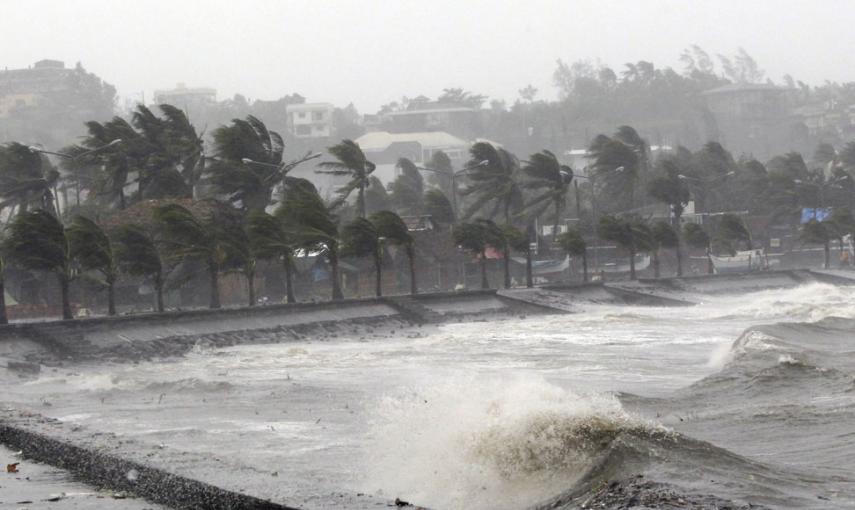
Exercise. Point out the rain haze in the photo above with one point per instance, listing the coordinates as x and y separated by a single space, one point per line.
371 53
457 255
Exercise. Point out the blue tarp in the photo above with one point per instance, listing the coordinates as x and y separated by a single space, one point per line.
819 214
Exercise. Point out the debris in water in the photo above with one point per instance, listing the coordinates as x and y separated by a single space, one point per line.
12 468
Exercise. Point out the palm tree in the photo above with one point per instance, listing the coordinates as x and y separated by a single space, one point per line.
442 174
407 189
474 238
118 161
517 240
137 254
663 235
609 155
312 224
817 232
187 238
391 227
37 241
439 207
573 243
376 197
90 247
360 238
249 163
269 240
732 231
629 233
667 187
494 183
696 237
26 178
352 163
547 174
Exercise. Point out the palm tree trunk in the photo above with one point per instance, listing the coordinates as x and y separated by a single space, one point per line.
158 289
411 258
214 273
529 281
827 250
378 272
360 200
557 221
289 284
632 264
483 262
121 200
710 268
250 281
506 256
3 318
336 285
656 263
111 296
64 290
679 248
585 266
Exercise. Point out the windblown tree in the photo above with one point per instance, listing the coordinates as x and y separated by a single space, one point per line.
376 197
615 165
697 237
116 162
312 224
137 254
189 239
573 244
517 240
731 232
667 187
392 228
630 233
475 237
442 175
92 249
840 224
551 181
351 163
663 235
493 182
407 189
270 241
27 179
360 238
817 232
37 241
439 208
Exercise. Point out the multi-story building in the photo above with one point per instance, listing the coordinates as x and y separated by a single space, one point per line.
458 120
384 149
311 120
28 87
195 101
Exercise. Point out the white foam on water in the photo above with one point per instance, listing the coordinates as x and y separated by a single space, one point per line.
478 443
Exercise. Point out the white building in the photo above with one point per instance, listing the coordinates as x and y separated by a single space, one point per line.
384 149
310 120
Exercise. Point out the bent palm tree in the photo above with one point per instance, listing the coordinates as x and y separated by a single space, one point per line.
629 233
696 237
37 241
817 232
269 240
137 254
353 163
90 246
669 188
407 189
312 224
360 238
493 183
391 227
26 179
553 178
188 238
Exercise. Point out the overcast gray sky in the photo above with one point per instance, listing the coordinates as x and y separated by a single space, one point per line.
373 52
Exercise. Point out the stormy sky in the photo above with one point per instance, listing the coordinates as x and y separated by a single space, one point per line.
373 52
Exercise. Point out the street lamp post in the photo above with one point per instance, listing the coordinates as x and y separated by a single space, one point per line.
705 182
76 157
822 187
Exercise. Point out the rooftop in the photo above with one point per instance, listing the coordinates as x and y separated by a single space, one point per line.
378 141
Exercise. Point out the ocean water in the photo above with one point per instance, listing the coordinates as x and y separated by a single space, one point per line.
748 397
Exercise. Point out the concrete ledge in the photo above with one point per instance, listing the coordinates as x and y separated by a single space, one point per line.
112 472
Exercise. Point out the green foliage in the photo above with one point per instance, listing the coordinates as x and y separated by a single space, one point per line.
26 179
551 180
407 189
360 238
90 246
440 163
136 252
494 184
615 166
307 219
572 242
376 197
628 232
815 232
353 163
696 236
37 241
439 207
731 231
516 239
667 186
390 226
664 235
